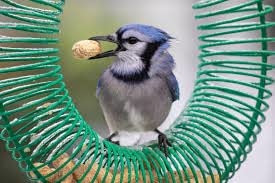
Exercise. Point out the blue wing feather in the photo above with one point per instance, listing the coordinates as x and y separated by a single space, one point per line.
98 87
173 86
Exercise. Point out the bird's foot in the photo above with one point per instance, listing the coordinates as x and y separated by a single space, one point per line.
163 142
111 137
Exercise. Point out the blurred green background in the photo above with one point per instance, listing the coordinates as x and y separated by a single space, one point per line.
86 18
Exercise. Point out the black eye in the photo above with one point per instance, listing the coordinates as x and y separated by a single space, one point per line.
132 40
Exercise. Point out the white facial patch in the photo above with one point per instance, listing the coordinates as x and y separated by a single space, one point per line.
138 48
127 63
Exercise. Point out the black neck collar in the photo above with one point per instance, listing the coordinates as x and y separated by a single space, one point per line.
133 77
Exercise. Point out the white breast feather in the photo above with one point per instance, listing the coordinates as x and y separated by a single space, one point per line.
134 115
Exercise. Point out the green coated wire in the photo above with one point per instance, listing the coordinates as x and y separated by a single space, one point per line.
213 134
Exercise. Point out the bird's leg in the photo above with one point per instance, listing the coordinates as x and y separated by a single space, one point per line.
163 142
111 136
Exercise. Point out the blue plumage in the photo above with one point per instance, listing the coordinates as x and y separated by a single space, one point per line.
173 86
154 33
98 87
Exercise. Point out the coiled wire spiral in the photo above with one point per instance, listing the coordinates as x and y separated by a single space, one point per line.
213 135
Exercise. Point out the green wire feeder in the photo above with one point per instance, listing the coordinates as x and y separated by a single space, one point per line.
51 142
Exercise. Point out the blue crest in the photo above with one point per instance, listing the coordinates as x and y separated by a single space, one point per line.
154 33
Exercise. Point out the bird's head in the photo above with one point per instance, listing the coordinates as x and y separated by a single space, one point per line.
137 45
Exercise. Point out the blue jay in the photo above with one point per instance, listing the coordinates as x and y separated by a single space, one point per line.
137 90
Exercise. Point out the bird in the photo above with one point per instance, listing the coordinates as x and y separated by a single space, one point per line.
138 88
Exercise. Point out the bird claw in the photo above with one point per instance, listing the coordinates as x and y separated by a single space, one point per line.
163 142
115 142
110 138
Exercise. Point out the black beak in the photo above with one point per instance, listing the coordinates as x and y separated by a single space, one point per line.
109 38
